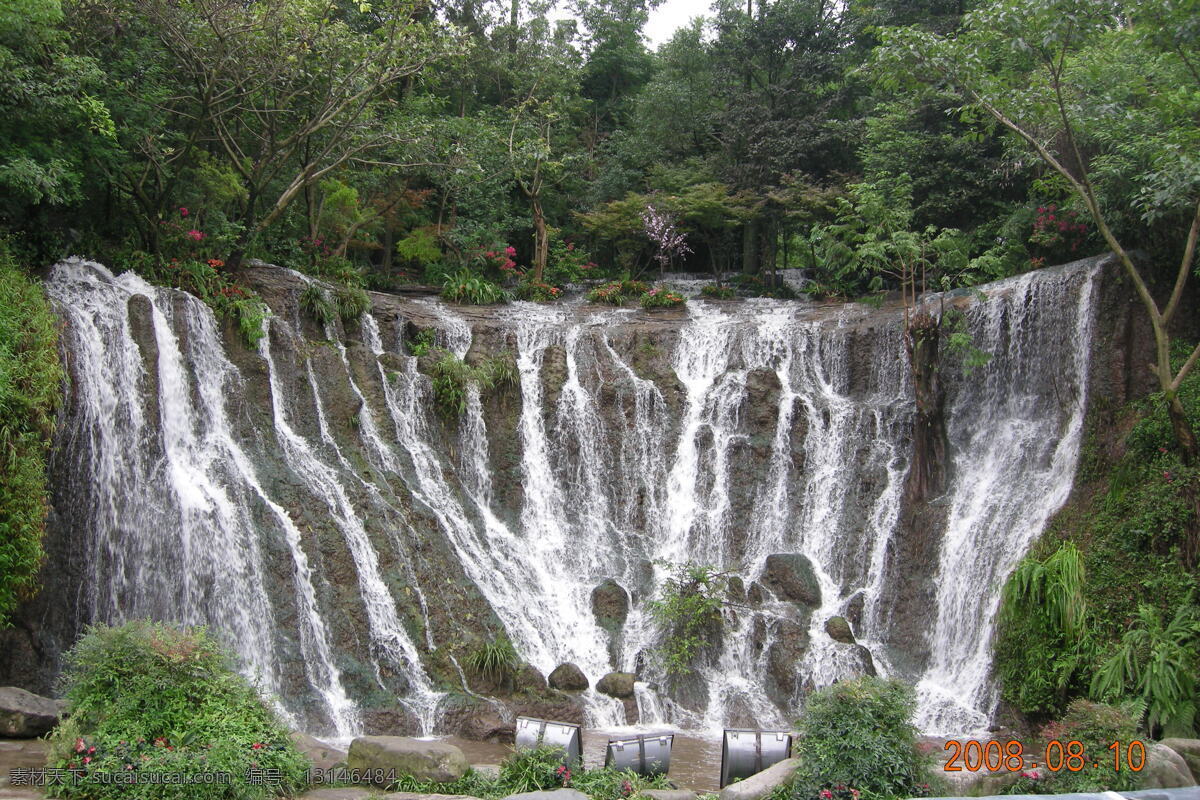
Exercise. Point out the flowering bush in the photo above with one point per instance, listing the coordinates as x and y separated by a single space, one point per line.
538 292
661 298
148 698
615 293
1057 234
566 262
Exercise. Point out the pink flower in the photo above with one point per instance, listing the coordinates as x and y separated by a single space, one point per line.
826 794
183 212
510 251
195 235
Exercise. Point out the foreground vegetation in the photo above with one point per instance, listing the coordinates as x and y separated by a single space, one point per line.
30 392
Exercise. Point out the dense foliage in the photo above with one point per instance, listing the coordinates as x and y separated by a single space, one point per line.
150 698
30 390
688 610
1106 605
1095 727
857 737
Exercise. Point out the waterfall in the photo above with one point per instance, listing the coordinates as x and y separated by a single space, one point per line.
310 502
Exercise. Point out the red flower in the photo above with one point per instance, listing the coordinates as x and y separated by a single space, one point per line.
510 251
79 745
183 212
87 759
195 235
257 746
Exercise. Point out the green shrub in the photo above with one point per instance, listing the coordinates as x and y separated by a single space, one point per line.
250 314
351 301
718 292
534 769
689 610
538 292
1095 727
465 286
451 375
659 297
316 303
420 344
616 293
495 659
148 698
858 734
30 392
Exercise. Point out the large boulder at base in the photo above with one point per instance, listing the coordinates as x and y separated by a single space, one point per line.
790 576
761 784
838 629
424 760
1189 749
617 684
485 725
553 794
568 678
322 756
1165 769
25 715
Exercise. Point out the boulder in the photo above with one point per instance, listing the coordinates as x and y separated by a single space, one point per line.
345 793
1189 750
761 784
790 576
855 607
1165 769
485 725
424 760
668 794
569 678
552 794
489 771
322 756
419 796
838 629
610 604
617 684
528 678
25 715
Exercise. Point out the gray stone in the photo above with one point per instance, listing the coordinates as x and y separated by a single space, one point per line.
838 629
350 793
424 760
1189 750
569 678
490 771
1165 769
617 684
553 794
761 784
25 715
610 604
668 794
790 576
322 756
419 796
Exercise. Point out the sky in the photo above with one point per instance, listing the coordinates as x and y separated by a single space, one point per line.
672 15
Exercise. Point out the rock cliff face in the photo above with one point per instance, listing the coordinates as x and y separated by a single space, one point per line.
355 538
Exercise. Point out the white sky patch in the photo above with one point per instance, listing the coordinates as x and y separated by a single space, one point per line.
664 20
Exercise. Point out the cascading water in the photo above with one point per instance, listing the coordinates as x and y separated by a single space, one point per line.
745 436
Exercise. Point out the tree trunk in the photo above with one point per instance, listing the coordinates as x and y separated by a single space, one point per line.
541 245
1182 427
750 247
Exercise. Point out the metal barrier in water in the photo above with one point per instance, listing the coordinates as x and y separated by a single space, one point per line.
646 755
532 732
746 752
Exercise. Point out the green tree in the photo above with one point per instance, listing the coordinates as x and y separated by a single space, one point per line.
1052 72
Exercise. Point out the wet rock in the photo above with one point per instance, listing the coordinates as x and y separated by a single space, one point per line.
787 646
424 760
617 684
486 725
568 678
1189 751
839 630
321 755
388 721
25 715
760 785
489 771
854 609
553 705
790 576
529 678
610 604
668 794
1165 769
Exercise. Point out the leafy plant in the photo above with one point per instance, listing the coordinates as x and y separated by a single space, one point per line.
451 375
31 379
1158 662
150 698
421 343
533 769
250 313
467 287
1095 727
495 659
659 297
718 292
859 734
689 609
315 301
538 292
351 301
